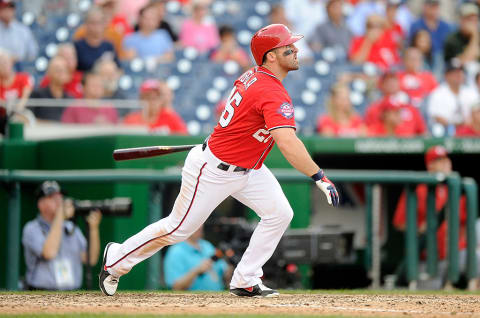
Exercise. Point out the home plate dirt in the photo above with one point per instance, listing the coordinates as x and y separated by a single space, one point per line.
385 305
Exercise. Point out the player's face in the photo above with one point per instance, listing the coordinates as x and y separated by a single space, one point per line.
287 57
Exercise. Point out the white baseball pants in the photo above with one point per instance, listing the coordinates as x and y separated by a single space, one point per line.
204 187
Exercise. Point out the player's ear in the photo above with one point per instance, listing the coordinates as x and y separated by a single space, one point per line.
271 56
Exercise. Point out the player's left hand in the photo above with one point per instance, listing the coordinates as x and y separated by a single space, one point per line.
327 187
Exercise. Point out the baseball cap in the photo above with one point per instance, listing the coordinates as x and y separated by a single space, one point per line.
453 65
7 3
47 188
434 153
467 9
149 85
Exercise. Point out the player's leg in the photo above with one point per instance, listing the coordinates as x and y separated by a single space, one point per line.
264 195
201 192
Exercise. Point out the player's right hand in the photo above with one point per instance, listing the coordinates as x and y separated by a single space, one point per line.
327 187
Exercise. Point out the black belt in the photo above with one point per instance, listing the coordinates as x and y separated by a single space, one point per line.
224 166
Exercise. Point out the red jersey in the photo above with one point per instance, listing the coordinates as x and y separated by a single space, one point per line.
352 129
412 120
168 121
466 131
383 52
441 198
15 90
396 34
257 104
417 85
73 88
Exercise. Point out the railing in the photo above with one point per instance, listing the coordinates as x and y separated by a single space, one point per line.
156 178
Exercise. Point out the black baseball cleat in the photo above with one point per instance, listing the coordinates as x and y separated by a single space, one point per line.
258 290
108 283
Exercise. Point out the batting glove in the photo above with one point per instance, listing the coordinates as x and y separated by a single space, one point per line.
326 186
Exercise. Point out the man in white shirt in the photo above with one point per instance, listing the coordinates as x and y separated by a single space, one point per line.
15 37
450 103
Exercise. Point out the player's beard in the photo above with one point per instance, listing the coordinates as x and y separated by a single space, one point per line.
290 63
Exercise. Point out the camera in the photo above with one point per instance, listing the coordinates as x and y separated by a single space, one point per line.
111 207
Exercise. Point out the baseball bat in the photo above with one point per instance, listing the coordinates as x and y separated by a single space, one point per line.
147 152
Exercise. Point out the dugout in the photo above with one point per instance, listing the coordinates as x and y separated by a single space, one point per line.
94 152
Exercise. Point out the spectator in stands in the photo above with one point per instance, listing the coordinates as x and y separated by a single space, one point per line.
58 75
392 122
277 16
365 8
114 26
305 15
15 38
158 113
436 161
431 22
473 128
341 119
229 49
164 25
189 265
376 46
199 31
464 44
15 87
412 122
91 110
332 33
393 28
74 85
94 45
449 104
110 73
422 41
415 81
115 19
54 247
149 41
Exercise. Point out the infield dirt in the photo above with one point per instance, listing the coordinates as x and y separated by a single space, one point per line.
376 305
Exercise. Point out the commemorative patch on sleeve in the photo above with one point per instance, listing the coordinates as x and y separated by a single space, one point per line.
286 110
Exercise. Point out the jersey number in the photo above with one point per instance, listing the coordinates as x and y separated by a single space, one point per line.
229 110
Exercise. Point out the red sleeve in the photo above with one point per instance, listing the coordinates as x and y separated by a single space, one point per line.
432 82
355 45
277 110
177 125
400 217
324 122
420 126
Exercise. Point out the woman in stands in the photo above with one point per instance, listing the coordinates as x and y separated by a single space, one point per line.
341 119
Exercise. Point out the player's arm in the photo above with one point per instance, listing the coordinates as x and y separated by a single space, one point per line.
295 152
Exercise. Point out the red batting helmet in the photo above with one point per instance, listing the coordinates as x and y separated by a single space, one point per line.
271 37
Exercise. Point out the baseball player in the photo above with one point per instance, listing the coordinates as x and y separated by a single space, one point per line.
258 113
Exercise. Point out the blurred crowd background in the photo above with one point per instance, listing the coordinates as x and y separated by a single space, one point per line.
368 67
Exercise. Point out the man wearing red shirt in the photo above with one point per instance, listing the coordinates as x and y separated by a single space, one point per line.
413 80
158 113
411 117
376 46
437 161
258 114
